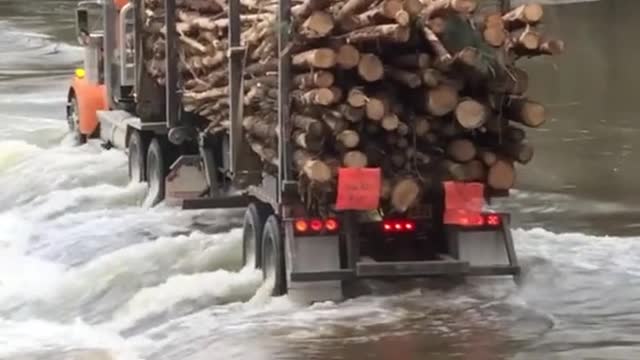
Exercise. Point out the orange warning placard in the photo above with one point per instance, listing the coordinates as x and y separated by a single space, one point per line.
358 189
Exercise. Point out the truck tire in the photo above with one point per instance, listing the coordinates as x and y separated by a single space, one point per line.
255 218
137 152
273 264
156 172
73 121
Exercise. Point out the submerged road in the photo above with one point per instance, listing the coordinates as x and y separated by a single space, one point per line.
86 273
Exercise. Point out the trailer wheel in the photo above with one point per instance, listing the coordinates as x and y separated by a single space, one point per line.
73 121
137 157
273 265
254 220
156 171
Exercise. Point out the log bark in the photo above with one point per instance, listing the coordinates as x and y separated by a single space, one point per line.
392 33
317 79
308 124
412 61
406 78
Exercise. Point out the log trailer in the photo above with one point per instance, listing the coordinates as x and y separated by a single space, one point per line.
313 258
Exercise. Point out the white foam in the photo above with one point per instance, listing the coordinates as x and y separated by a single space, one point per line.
37 337
207 289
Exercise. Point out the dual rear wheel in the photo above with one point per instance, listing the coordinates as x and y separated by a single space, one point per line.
263 246
148 162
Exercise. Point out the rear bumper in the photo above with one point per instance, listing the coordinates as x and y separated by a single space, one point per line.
415 269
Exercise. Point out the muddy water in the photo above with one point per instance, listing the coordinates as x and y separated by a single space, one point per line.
85 273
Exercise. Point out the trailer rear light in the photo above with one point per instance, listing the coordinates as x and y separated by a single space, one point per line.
479 220
315 226
301 226
331 224
398 225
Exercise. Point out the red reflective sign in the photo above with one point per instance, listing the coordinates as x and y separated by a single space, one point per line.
358 189
463 203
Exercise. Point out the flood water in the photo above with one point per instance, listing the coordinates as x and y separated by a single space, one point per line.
85 273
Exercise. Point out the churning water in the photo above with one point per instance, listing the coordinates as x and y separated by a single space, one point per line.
87 273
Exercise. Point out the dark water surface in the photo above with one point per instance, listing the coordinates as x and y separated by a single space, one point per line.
85 273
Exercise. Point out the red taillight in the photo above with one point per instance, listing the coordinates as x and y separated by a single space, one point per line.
477 220
331 224
398 225
493 220
301 226
315 226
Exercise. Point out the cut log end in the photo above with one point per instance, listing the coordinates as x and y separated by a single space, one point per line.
471 114
461 150
348 57
354 159
404 194
501 175
370 68
441 100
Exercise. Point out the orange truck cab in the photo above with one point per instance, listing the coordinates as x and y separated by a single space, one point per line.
88 93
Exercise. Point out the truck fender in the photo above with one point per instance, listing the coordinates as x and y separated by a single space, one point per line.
90 98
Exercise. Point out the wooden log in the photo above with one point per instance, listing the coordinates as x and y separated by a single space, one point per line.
352 7
304 10
349 139
461 150
523 15
348 56
356 97
471 114
323 58
438 7
547 47
526 39
441 100
308 124
319 24
354 159
370 68
375 109
432 77
392 33
335 123
526 112
387 9
321 96
316 79
411 61
306 141
501 175
404 194
314 170
421 126
259 128
351 113
488 157
390 122
406 78
443 57
521 152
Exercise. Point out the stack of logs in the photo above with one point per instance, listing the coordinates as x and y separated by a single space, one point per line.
427 90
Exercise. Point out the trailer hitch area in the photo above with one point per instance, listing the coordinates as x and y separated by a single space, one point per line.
180 134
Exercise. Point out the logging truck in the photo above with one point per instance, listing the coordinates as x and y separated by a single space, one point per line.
309 254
